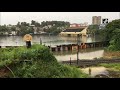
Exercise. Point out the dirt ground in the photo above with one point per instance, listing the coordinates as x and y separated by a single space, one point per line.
4 72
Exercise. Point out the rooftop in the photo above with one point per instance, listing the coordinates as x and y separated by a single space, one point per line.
73 30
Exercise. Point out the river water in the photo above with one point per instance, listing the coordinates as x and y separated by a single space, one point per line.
83 54
53 40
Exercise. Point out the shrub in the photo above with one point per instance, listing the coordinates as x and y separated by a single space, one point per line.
36 62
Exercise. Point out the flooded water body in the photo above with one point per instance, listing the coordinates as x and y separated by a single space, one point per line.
89 53
54 40
46 39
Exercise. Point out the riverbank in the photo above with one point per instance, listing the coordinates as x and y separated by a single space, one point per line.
111 54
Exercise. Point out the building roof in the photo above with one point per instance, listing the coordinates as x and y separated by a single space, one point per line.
73 30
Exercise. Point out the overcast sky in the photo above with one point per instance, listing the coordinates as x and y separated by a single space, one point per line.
72 17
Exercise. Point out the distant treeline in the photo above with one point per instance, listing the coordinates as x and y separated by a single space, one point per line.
21 28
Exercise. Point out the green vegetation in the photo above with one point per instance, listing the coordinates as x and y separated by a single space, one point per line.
112 33
113 69
112 66
54 27
111 54
35 62
21 28
93 28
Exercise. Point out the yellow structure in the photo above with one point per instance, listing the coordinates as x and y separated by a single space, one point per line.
27 37
74 32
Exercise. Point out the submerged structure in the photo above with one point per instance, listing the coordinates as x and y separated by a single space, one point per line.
75 30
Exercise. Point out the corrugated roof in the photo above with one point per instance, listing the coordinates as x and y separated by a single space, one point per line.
73 30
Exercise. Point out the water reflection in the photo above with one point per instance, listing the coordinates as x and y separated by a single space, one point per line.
46 39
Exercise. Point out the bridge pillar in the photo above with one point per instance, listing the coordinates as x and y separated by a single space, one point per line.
92 45
81 45
61 48
74 47
66 48
85 46
56 49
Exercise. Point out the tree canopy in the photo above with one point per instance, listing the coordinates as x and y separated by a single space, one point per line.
112 32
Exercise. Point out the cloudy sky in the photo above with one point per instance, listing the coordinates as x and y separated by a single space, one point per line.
72 17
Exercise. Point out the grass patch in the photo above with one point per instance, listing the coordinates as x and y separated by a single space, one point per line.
112 66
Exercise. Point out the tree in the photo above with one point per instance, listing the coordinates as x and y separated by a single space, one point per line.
112 32
55 26
18 24
3 29
35 23
110 27
115 41
93 28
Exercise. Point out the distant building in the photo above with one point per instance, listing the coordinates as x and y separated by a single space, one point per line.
96 20
74 31
13 32
74 25
79 25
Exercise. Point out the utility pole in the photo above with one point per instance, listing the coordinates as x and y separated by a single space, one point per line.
40 41
78 37
50 39
0 18
94 40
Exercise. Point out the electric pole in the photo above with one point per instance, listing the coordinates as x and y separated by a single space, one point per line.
78 37
0 18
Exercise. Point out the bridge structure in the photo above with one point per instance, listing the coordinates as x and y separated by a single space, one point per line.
77 47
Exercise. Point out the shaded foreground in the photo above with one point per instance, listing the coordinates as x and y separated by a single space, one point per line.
36 62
